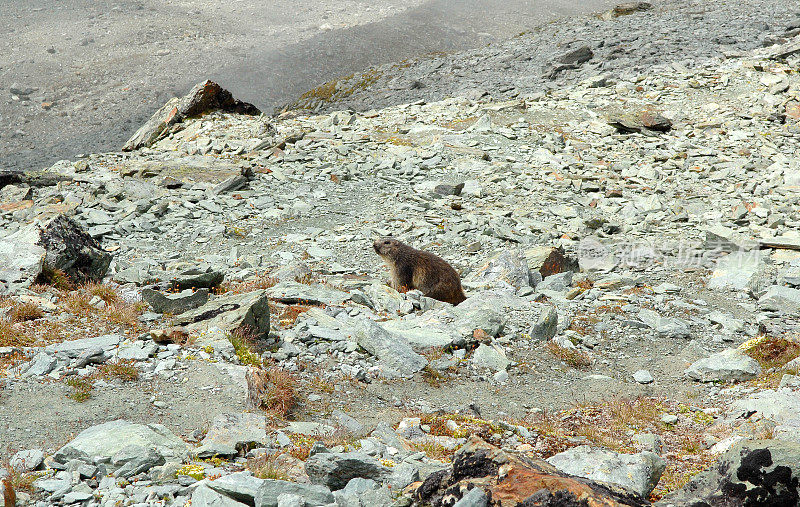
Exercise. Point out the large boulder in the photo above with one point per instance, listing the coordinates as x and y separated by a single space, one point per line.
58 244
392 350
21 259
247 313
752 472
105 441
335 469
507 268
231 433
72 250
637 473
728 365
515 480
204 97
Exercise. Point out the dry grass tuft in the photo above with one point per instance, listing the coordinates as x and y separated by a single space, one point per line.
273 390
261 281
265 467
289 315
81 388
24 312
54 278
573 357
11 336
124 370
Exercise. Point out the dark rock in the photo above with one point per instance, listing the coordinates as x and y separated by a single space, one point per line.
175 303
204 97
508 479
576 56
73 251
753 472
642 121
335 470
197 278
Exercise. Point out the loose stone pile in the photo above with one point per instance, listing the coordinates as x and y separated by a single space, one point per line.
623 236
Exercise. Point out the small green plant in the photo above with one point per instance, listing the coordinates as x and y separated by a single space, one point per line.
81 388
242 346
192 470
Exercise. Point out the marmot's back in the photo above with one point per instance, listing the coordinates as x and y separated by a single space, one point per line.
416 269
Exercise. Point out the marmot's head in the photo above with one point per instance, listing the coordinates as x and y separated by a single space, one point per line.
386 247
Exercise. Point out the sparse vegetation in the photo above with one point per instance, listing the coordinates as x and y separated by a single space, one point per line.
573 357
274 391
54 278
81 388
772 352
243 345
265 467
24 312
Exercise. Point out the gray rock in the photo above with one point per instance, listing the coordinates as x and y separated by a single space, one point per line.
335 470
560 282
669 327
546 325
638 473
737 270
21 260
777 405
294 292
507 267
134 459
241 486
139 350
204 97
41 364
290 500
269 491
230 433
26 461
403 475
103 441
728 365
196 278
474 498
752 472
362 492
392 350
782 299
74 348
643 377
233 183
576 56
175 304
76 497
350 424
248 312
203 496
490 356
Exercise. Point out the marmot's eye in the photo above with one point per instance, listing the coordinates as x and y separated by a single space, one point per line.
386 242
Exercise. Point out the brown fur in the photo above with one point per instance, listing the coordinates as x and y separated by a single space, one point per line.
414 269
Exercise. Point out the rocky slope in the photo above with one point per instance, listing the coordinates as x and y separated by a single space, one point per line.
629 250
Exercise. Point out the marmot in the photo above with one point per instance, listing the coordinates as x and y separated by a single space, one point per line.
414 269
